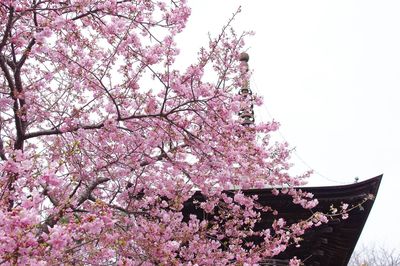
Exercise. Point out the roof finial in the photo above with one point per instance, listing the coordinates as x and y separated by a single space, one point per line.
246 113
244 57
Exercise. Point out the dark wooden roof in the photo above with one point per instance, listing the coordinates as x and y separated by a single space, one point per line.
328 245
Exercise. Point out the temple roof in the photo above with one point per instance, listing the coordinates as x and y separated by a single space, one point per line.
330 244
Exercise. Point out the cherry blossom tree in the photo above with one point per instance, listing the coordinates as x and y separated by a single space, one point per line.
103 140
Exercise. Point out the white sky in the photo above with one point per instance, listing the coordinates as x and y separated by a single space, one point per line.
330 74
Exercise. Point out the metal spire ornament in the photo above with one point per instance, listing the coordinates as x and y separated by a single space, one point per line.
246 113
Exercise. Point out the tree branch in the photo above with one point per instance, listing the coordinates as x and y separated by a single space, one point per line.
8 29
2 153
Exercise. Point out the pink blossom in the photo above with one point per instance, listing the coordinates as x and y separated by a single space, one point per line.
294 262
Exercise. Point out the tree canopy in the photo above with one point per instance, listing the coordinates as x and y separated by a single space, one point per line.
103 140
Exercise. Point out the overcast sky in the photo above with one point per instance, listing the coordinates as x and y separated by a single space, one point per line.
329 72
